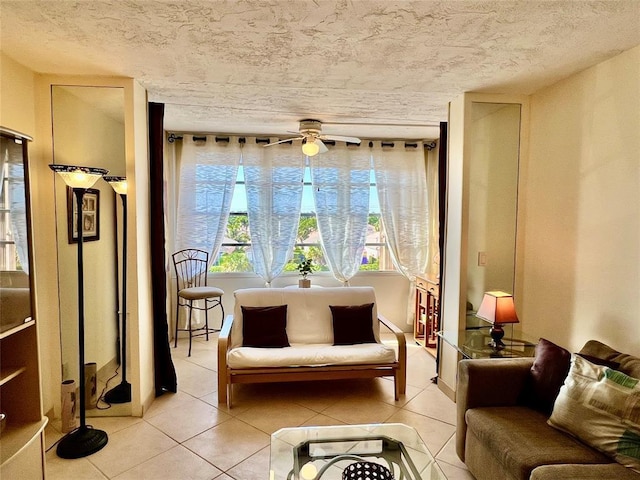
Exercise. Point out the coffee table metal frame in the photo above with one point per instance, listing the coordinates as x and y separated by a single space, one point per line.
326 446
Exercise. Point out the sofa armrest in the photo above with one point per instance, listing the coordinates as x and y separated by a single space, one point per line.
491 382
223 348
401 379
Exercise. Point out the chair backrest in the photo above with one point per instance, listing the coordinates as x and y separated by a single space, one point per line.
191 268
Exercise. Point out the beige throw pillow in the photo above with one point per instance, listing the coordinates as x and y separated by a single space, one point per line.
601 407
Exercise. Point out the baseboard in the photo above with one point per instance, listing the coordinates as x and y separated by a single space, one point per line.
446 389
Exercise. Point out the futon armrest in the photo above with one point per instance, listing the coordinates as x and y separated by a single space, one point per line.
401 378
223 347
226 327
494 382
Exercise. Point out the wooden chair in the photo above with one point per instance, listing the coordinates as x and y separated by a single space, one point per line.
191 286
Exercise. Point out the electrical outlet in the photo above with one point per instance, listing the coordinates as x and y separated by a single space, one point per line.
482 259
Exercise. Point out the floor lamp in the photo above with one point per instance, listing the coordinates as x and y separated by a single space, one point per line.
84 440
122 392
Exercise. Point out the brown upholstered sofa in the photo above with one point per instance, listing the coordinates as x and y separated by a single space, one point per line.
503 434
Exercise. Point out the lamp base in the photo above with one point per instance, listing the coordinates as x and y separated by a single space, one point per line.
496 333
119 394
81 443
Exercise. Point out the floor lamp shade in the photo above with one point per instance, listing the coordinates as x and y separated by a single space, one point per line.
122 392
84 440
79 177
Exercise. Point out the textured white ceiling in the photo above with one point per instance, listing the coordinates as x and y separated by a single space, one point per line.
259 66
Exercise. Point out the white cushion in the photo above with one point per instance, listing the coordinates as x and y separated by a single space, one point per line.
601 407
199 293
309 318
310 355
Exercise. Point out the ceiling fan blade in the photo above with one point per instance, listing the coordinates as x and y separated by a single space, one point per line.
323 147
284 141
340 138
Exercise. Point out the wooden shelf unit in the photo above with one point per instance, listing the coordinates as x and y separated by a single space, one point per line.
20 397
427 316
22 440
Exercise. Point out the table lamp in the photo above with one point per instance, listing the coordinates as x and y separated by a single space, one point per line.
498 309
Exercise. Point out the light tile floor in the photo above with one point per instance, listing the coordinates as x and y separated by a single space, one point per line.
187 435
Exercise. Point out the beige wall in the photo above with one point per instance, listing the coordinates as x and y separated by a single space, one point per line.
581 269
18 91
140 306
17 108
392 292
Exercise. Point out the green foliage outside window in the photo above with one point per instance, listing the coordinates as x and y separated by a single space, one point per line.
235 252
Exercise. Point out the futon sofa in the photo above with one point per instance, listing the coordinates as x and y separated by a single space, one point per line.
295 334
557 416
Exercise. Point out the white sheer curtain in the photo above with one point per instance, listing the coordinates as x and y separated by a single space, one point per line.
273 180
207 172
341 180
402 190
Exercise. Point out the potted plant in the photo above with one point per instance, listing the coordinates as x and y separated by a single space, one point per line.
304 267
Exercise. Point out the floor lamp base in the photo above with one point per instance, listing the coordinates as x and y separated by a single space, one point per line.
119 394
82 442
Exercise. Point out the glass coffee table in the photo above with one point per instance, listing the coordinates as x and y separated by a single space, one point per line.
393 450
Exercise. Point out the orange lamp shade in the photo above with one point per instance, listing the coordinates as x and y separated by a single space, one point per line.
498 308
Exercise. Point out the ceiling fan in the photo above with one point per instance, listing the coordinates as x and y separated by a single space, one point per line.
310 132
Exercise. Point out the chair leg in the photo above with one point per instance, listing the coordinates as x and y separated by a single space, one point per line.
175 338
221 308
190 336
206 320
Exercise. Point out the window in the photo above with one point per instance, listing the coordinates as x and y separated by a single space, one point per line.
235 251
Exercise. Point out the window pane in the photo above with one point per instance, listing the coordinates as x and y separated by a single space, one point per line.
312 251
235 253
232 259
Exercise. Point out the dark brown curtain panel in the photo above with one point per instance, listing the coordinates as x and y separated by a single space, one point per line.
165 372
442 189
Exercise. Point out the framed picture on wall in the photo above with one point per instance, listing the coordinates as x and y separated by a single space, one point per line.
90 215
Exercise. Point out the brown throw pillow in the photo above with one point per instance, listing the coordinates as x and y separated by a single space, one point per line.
352 324
265 327
600 361
629 364
548 373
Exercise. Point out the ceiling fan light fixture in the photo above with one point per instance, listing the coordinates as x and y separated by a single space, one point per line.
310 148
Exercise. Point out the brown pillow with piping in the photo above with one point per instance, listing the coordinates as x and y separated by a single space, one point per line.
352 324
265 327
548 373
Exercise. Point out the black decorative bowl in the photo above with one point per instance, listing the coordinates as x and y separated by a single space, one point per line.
366 471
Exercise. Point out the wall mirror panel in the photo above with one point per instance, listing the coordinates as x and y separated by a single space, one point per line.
89 130
493 199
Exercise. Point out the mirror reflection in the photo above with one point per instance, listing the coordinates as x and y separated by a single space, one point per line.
15 291
493 190
88 130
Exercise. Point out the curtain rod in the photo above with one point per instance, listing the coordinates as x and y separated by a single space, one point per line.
429 145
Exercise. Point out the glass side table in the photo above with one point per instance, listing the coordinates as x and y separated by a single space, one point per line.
323 453
474 343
